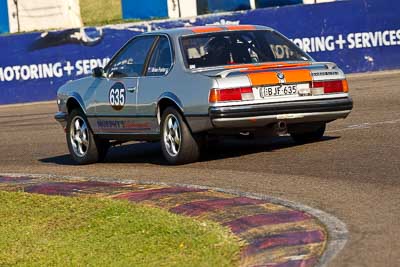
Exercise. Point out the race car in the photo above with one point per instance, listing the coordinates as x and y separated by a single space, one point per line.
182 86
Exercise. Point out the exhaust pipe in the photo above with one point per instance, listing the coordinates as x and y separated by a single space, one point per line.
281 128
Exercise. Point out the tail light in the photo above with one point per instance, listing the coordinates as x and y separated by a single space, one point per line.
330 87
234 94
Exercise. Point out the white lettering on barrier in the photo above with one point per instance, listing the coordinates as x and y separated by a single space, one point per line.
57 70
9 74
86 65
25 75
356 40
50 70
316 44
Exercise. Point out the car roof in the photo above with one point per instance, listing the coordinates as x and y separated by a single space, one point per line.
207 29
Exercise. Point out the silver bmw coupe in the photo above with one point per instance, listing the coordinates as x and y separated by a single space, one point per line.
182 86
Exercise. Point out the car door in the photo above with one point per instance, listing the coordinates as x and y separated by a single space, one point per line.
154 83
116 94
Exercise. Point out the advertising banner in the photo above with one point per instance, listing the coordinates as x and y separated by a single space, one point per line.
359 35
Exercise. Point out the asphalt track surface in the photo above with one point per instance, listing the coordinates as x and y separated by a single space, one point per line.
353 174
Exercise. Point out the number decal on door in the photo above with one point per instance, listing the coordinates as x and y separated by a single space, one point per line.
117 96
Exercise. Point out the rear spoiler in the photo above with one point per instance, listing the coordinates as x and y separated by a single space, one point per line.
213 72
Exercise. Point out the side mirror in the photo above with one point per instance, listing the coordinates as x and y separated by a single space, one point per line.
98 72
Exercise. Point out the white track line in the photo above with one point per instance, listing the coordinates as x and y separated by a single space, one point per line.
365 125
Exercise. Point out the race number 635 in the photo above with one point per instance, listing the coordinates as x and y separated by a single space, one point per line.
117 96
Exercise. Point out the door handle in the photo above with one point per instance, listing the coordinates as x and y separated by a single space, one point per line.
131 89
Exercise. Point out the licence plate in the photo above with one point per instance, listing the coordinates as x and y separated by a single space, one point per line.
262 92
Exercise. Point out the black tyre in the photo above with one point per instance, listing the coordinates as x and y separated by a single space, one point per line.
312 135
177 142
82 145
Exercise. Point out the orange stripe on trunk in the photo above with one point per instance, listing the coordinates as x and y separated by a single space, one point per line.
202 29
263 78
295 76
240 27
270 78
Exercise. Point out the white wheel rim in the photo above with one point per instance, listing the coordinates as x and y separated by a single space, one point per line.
79 136
172 135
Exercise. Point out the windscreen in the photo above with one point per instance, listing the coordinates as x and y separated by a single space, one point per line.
239 47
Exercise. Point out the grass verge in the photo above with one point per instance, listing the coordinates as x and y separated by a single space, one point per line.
37 230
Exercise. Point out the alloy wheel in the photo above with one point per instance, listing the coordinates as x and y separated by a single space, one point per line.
79 135
172 135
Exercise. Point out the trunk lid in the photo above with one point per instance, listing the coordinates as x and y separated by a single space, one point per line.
275 81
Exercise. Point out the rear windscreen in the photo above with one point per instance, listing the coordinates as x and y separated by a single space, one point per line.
239 47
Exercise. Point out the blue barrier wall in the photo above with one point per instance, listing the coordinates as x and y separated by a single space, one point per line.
4 26
138 9
359 35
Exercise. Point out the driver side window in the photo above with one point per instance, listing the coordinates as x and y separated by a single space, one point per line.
130 61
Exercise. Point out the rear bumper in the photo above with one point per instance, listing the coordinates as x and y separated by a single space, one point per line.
261 115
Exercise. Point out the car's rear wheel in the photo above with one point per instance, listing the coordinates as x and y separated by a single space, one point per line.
309 134
178 144
82 144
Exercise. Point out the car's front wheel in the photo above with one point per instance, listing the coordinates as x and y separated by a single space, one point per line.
309 134
178 144
82 144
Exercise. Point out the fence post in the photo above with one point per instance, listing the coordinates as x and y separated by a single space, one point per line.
253 4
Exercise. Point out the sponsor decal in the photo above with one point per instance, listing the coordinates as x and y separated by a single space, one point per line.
325 73
123 125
